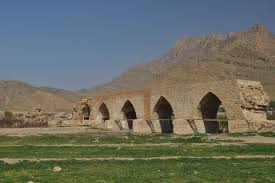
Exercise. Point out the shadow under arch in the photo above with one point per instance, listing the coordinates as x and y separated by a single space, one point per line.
165 114
103 113
129 113
213 114
86 112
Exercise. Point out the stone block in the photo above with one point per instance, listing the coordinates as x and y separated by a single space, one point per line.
181 126
141 126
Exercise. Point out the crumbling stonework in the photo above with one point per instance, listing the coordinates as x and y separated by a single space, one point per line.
254 103
182 109
37 117
82 110
253 95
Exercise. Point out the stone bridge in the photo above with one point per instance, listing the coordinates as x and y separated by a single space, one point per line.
181 109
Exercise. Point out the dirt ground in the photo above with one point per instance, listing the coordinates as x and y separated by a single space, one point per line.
16 160
98 132
246 139
55 130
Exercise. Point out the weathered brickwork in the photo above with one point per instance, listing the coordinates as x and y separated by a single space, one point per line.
182 109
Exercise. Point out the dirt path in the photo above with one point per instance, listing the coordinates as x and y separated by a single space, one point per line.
97 132
16 160
37 131
56 131
94 145
257 139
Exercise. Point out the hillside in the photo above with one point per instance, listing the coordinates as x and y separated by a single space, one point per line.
241 55
19 96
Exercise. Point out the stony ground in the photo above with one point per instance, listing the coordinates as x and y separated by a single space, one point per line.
84 154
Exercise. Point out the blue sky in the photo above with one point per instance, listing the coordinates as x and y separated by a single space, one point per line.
78 44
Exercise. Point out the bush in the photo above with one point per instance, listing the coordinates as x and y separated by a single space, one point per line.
8 115
9 120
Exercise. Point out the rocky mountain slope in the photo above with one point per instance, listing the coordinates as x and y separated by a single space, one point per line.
241 55
19 96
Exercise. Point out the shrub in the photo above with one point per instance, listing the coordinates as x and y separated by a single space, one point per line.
8 115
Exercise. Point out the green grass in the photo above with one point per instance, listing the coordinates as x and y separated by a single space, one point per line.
182 170
140 151
267 134
86 139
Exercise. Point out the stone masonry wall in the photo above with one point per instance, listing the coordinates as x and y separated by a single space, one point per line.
241 100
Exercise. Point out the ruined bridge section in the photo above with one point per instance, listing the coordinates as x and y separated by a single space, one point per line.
182 109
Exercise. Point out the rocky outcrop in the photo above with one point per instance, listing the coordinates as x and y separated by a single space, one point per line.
247 55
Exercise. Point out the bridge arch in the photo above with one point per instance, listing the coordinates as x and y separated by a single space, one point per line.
103 113
129 113
165 115
213 114
86 111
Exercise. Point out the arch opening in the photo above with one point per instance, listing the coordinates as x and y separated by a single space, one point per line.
213 114
86 111
129 113
165 114
103 113
270 111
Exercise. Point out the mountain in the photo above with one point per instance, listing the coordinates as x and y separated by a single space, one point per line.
20 96
240 55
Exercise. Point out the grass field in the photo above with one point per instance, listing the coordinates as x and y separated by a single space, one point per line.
134 158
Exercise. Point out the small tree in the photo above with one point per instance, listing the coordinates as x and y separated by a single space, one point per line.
8 115
7 120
